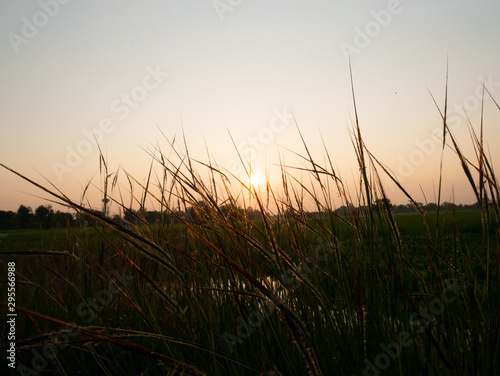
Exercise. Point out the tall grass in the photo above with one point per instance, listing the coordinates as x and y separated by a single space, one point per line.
219 292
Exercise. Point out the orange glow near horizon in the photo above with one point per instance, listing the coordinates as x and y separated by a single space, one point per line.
243 80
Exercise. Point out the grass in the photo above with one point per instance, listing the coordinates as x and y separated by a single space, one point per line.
409 225
223 294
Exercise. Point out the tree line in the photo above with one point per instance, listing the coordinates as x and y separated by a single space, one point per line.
44 217
409 208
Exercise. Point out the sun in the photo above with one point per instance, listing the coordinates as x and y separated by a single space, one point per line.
255 180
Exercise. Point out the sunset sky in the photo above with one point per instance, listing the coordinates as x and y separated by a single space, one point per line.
130 70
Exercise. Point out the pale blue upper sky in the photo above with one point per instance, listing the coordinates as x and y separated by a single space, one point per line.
235 67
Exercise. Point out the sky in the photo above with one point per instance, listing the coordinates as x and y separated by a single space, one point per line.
125 73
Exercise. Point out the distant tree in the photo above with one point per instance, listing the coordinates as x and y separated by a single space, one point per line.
383 204
233 212
431 207
401 209
116 218
448 206
153 217
130 216
253 215
343 211
8 220
60 220
408 208
44 216
85 219
24 216
199 212
412 208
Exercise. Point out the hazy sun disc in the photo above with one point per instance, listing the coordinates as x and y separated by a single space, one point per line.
255 180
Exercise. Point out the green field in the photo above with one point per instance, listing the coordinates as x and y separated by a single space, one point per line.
200 314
